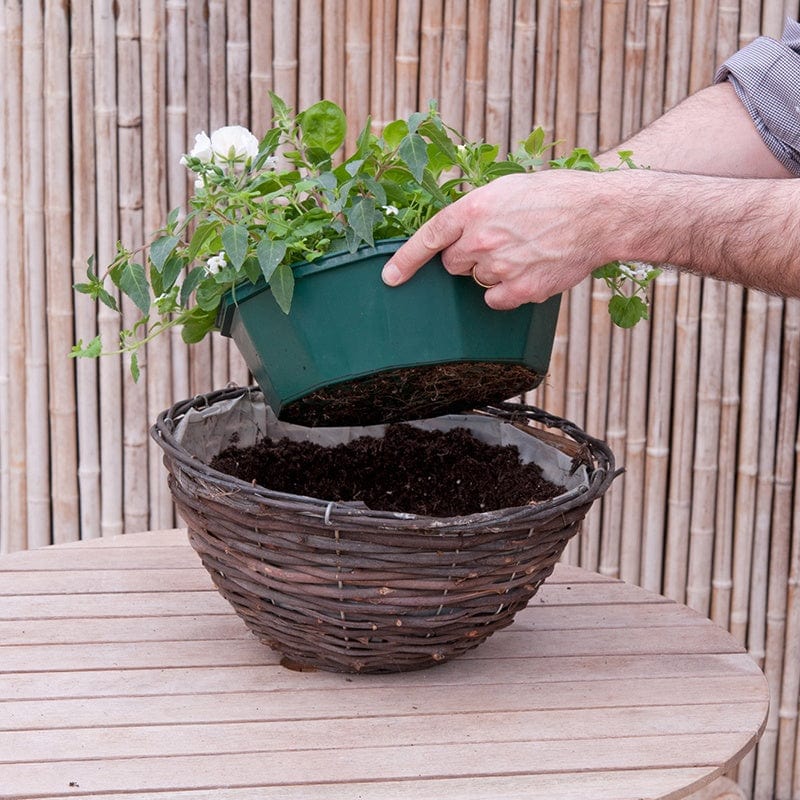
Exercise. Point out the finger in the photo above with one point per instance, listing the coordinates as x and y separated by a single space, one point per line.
438 232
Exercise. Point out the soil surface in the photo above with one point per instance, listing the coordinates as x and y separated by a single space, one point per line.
406 393
433 473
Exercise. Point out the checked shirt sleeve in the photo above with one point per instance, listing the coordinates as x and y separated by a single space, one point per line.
766 77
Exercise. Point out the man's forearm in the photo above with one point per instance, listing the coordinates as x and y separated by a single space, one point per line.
742 230
709 133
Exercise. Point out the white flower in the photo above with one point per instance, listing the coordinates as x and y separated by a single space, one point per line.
636 270
216 263
201 149
391 211
233 142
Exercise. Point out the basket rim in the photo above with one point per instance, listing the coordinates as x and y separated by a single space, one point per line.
594 454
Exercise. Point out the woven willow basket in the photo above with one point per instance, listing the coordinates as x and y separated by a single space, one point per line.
340 587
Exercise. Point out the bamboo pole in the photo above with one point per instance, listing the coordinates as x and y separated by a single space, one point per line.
658 428
697 577
475 85
407 57
727 30
498 74
159 371
284 44
333 52
567 74
786 784
177 140
218 116
237 65
612 68
105 84
16 538
131 228
430 52
5 382
773 15
384 25
357 55
749 21
704 28
454 63
633 488
616 436
635 43
682 448
779 547
197 119
58 225
722 581
747 468
36 364
759 563
309 88
678 52
83 237
599 359
523 71
588 122
261 79
544 106
655 60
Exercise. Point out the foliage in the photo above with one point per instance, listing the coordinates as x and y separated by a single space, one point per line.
260 207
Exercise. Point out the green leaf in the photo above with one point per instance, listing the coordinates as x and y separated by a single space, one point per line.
198 325
282 287
627 311
361 218
208 294
279 108
204 232
234 240
440 138
190 283
323 125
415 120
395 132
502 168
534 144
161 249
609 271
133 281
270 253
432 187
91 350
170 272
135 367
414 153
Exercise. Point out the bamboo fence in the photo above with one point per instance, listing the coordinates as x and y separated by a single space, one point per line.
99 100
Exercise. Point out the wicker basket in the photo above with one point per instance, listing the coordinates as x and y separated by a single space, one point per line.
340 587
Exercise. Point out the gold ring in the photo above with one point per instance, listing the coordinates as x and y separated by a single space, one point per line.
479 282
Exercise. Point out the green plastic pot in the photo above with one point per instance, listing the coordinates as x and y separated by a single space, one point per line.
345 325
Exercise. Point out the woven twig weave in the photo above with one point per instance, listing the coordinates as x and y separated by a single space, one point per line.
345 588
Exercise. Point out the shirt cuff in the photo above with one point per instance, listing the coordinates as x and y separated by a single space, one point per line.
766 77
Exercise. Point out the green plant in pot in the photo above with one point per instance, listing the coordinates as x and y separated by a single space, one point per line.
282 247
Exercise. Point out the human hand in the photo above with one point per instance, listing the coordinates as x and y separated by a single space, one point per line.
526 236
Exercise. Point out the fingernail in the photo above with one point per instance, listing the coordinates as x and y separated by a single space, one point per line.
391 275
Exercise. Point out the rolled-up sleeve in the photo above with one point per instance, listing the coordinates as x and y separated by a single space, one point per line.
766 77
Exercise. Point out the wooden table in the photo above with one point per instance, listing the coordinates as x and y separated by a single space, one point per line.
124 675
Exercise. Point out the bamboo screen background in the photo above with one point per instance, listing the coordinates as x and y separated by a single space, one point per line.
100 99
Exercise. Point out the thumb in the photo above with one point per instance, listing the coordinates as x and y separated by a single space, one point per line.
438 232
